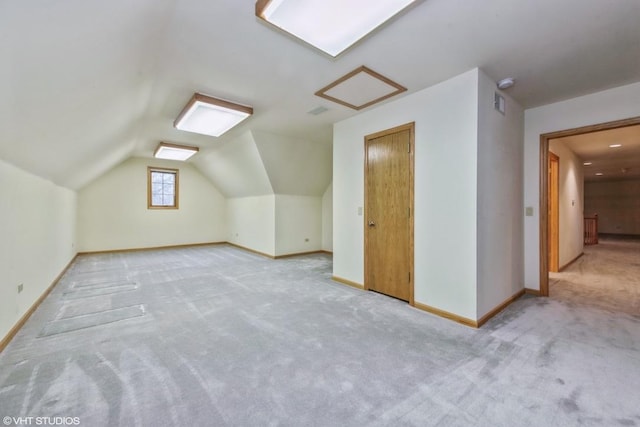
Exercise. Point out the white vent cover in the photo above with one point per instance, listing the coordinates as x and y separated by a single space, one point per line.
498 102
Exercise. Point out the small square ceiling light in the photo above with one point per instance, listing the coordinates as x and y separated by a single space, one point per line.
211 116
329 25
174 151
360 89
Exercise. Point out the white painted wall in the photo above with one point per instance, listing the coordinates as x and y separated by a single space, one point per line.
251 223
570 203
617 204
327 219
37 225
446 123
298 219
276 224
500 214
113 214
613 104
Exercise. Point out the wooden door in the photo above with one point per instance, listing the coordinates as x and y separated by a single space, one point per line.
554 211
389 212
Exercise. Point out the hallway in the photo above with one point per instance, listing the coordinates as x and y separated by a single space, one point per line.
607 277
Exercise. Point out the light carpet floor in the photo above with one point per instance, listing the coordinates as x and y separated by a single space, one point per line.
216 336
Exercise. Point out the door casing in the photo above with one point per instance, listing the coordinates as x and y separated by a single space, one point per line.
544 199
554 209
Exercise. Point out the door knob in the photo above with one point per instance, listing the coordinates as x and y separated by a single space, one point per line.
372 224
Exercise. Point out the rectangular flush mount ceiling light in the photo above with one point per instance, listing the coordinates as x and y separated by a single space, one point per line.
174 151
329 25
210 116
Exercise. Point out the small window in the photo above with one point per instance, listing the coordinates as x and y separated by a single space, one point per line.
162 188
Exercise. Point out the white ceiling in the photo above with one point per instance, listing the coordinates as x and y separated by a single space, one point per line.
85 84
613 163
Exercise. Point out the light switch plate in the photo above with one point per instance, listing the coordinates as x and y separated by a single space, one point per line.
528 211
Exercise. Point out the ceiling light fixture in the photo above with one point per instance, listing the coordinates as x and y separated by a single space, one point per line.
506 83
210 116
615 146
599 174
587 163
174 151
329 25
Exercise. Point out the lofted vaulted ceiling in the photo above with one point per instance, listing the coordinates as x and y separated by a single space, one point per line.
85 84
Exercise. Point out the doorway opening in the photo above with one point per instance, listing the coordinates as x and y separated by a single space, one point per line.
388 225
545 156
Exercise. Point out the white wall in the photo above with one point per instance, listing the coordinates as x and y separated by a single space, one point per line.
617 204
298 224
445 117
274 186
251 223
327 219
37 229
113 213
605 106
500 214
276 224
570 203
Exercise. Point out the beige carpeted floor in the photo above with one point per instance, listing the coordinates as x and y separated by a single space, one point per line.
217 336
607 276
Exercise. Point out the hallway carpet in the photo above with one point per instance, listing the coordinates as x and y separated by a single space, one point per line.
607 276
216 336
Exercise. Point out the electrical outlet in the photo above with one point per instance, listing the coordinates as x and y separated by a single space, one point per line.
20 287
306 240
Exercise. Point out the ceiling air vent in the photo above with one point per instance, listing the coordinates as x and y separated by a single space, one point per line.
498 102
317 110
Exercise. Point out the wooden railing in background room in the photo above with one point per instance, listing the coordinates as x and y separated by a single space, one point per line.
591 230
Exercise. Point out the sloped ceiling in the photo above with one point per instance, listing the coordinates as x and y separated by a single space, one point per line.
236 168
85 84
76 79
260 163
295 166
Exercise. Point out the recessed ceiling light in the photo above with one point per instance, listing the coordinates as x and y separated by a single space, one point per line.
506 83
174 151
329 25
210 116
615 146
587 163
599 174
